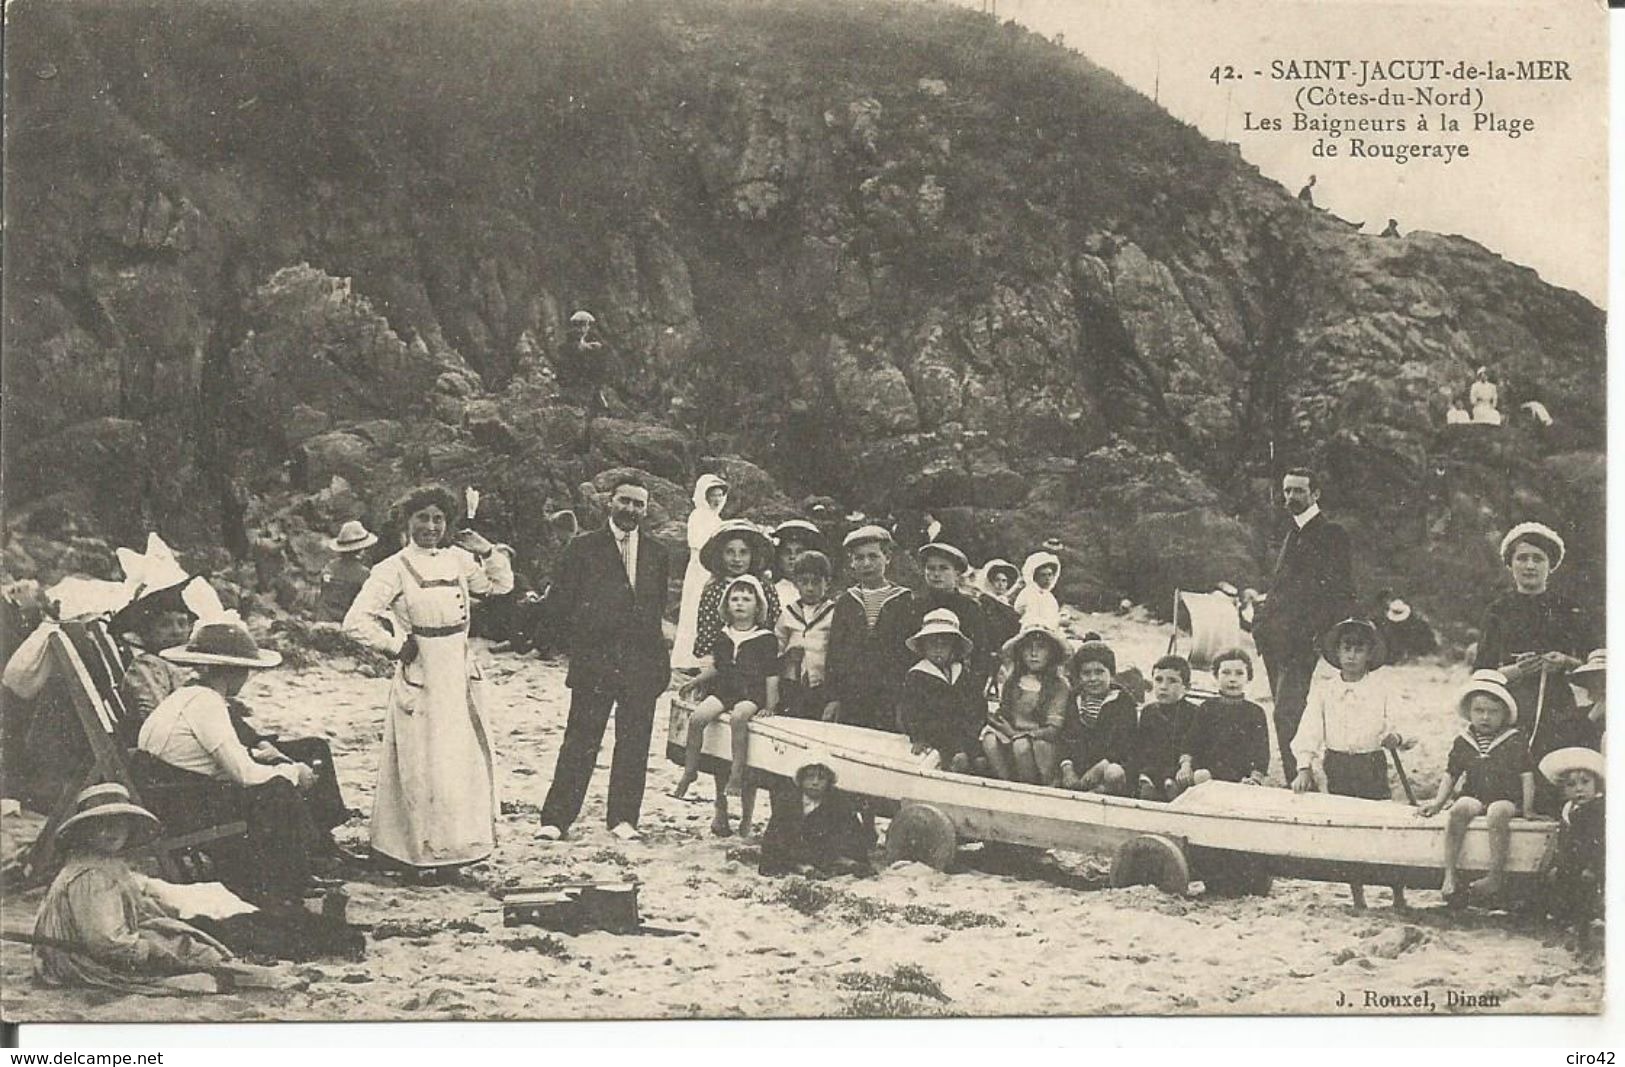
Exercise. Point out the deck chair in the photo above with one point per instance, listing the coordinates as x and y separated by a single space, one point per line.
88 665
1210 624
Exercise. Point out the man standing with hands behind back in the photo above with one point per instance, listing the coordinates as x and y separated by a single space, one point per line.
1313 590
607 602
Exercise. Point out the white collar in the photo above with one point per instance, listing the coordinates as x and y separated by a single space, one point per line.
925 666
1308 513
622 535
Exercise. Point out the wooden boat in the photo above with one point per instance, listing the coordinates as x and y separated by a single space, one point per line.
1219 830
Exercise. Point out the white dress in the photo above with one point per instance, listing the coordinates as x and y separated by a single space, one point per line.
436 801
703 522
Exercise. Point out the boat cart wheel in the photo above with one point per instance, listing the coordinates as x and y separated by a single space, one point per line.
1151 859
921 832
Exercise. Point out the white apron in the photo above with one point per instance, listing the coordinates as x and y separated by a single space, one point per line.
436 801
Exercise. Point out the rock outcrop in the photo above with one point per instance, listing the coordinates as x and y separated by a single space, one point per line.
901 255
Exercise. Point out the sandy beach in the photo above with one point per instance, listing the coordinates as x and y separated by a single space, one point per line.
1046 940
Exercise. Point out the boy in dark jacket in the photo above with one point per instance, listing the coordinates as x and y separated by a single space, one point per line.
858 670
941 706
1576 895
1230 740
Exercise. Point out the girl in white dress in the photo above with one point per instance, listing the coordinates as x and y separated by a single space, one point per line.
710 496
436 802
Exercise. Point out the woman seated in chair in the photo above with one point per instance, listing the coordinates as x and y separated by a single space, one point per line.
197 766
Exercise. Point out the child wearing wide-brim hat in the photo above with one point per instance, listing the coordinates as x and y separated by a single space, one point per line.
1348 723
1576 890
125 939
814 828
1361 628
1021 735
1488 773
760 545
1592 676
940 705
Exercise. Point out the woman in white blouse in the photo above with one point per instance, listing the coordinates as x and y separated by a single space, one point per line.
197 767
436 804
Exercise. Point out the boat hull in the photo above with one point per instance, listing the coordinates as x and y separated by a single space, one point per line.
1286 834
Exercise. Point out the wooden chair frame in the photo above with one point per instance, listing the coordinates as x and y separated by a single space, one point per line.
100 710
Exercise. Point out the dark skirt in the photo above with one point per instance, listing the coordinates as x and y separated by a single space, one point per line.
1357 774
275 856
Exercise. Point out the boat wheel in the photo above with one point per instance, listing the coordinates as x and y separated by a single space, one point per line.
921 832
1151 859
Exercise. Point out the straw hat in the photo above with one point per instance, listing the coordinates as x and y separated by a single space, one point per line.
1057 643
755 585
1560 761
944 549
104 802
939 621
864 534
1398 610
353 537
798 530
1330 639
1488 681
761 549
1596 663
1541 535
223 642
815 757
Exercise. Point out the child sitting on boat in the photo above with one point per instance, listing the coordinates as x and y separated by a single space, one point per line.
1021 735
1347 726
1230 740
858 665
1170 680
814 828
1488 774
1576 892
803 630
940 705
1095 699
742 681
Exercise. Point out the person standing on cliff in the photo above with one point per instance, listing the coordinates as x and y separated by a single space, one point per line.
608 598
1313 589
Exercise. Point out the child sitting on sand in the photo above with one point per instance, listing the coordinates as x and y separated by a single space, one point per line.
1348 725
99 925
1230 740
1095 700
1021 735
742 681
1488 774
1576 893
940 704
814 828
1170 680
803 631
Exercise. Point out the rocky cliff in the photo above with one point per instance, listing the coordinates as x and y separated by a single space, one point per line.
266 264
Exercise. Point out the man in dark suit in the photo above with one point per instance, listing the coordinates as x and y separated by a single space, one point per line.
1313 591
607 602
